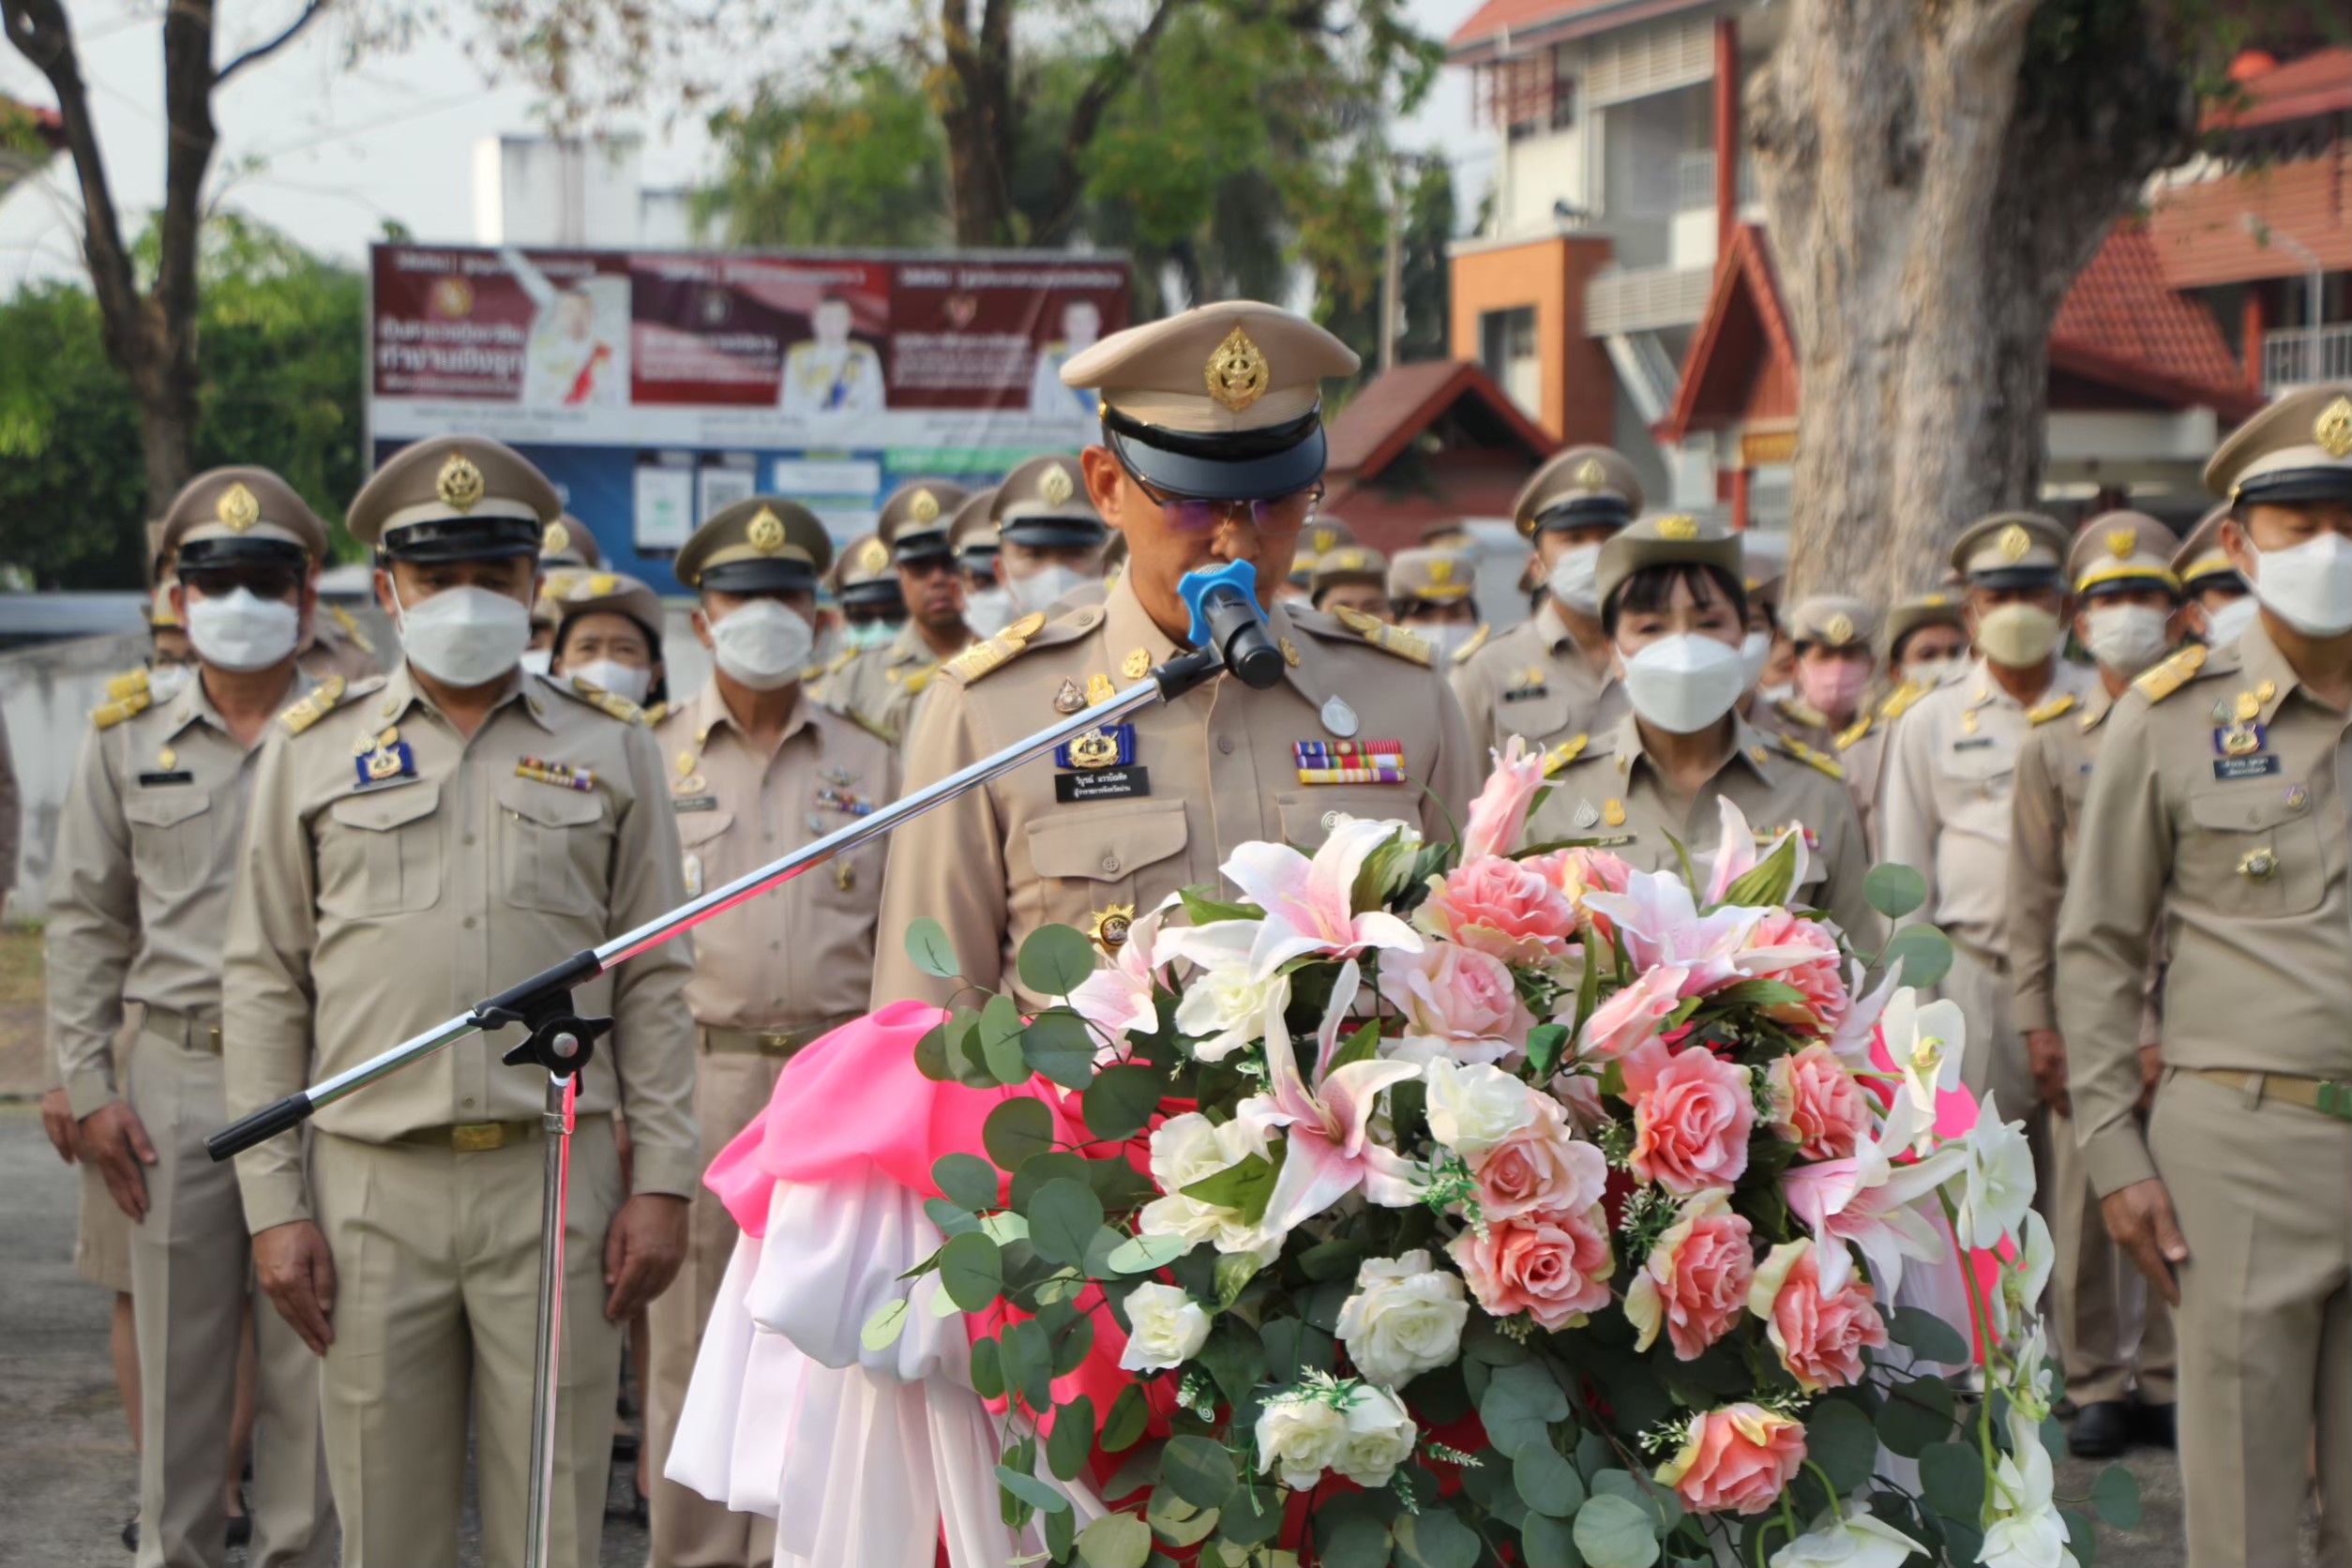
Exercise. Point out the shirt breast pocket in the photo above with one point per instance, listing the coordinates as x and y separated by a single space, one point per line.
170 837
1085 862
381 852
1309 815
2252 854
1539 717
701 846
556 847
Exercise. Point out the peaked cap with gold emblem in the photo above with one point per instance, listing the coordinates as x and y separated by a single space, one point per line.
2013 550
2298 448
584 593
160 615
1042 504
2201 562
2123 552
763 543
1321 536
1833 621
914 520
1583 487
1938 607
863 575
1666 539
455 498
1350 563
567 542
1224 402
229 515
973 534
1432 575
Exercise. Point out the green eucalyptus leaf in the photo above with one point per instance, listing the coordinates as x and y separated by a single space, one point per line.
1359 1542
1139 1255
971 1270
1612 1532
1925 952
1199 1470
951 1219
1548 1483
1916 1413
1053 1165
931 1055
1072 1439
1839 1439
883 1325
1952 1479
1059 1046
1036 1493
967 1181
1549 1543
2116 1496
929 946
1519 1404
1055 960
1894 890
1115 1541
1120 1101
1926 1335
987 1371
1129 1415
1435 1538
1062 1219
1017 1132
1001 1041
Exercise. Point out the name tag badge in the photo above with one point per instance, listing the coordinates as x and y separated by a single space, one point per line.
2259 766
1101 784
147 781
694 803
1973 743
1613 840
1522 694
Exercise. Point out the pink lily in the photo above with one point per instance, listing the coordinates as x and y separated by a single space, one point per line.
1329 1151
1737 854
1119 997
1663 928
1874 1203
1309 903
1498 816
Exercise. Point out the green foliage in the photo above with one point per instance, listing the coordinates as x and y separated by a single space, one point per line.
1614 1533
1925 953
927 946
1894 891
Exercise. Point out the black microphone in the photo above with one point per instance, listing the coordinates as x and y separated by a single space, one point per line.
1225 617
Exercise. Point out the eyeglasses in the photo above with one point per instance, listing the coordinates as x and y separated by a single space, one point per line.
1283 516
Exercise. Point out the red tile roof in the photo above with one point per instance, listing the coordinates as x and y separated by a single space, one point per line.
2236 228
1391 409
2318 84
1550 21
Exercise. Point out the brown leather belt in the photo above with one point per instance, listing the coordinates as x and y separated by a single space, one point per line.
192 1031
475 1138
2325 1095
777 1043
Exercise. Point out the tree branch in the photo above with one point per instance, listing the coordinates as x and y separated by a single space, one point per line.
1112 73
41 32
260 51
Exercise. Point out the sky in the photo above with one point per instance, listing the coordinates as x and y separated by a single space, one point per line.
328 152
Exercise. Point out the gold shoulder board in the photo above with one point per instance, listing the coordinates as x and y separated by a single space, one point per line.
1379 634
655 714
987 656
2090 720
881 732
921 678
1901 699
106 715
1855 731
1796 710
1564 753
131 683
1805 754
604 702
1462 655
841 658
2174 673
309 709
2052 709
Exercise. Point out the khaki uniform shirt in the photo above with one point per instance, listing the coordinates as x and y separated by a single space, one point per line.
1944 798
369 913
1797 718
1610 794
1213 771
147 854
1534 681
802 954
2243 858
880 684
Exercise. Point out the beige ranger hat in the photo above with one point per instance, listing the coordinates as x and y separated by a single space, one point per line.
1222 402
1939 607
1666 539
2201 562
2298 448
862 574
914 520
455 498
2119 552
761 544
1043 505
567 542
1350 563
1583 487
1833 621
1326 533
586 593
2013 550
228 516
1434 575
973 534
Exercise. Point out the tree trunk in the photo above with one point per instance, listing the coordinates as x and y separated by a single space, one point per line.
981 119
1935 175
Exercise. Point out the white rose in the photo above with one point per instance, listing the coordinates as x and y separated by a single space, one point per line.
1187 1149
1854 1538
1405 1318
1302 1437
1380 1436
1473 1109
1222 1009
1168 1330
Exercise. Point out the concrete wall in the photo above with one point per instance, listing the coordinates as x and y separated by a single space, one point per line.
46 695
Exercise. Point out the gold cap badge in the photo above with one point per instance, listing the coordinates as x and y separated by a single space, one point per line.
924 507
460 483
1055 486
2332 430
1677 527
1934 601
874 557
556 540
1591 474
2121 542
1237 373
1841 627
1441 572
766 533
2014 541
237 509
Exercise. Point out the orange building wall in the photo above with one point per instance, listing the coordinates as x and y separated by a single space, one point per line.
2201 235
1579 386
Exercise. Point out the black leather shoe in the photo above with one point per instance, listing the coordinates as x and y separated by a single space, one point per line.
2101 1430
2152 1424
131 1533
240 1529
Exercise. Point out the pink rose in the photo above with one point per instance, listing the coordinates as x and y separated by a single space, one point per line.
1540 1168
1737 1459
1633 1016
1500 908
1816 1105
1460 998
1805 956
1577 872
1695 1282
1818 1333
1691 1129
1499 814
1554 1267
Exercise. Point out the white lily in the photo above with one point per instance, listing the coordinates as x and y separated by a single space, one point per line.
2000 1186
2026 1531
1928 1041
1854 1538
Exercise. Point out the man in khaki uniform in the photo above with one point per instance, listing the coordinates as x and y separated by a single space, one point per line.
1551 676
2218 808
1051 538
1431 595
1117 820
1321 536
880 686
2123 580
1944 799
988 607
865 589
1833 635
147 854
1621 790
418 844
1927 643
1353 577
2219 607
756 771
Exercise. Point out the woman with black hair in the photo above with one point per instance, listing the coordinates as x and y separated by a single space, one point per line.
607 635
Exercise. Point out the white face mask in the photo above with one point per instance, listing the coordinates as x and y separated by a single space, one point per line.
537 661
868 634
2309 585
167 681
622 680
987 611
1572 579
466 637
2127 638
1683 684
243 631
2019 636
1934 673
1036 592
763 644
2229 623
1756 652
1446 637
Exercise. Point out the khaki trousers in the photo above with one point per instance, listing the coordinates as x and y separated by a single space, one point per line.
436 1265
191 1269
2099 1303
689 1530
2264 1195
102 1242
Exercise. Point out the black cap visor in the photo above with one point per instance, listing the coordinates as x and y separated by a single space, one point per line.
1584 511
2292 485
2229 578
2109 587
2019 577
462 540
198 554
871 594
931 544
761 577
1055 533
1236 465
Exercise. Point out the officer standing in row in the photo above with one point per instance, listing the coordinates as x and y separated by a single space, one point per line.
2218 808
988 607
1553 676
1353 577
2121 567
1432 593
864 590
416 844
2218 608
1674 607
1212 451
1944 801
148 849
881 685
1927 643
1051 540
1324 535
756 771
1833 637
